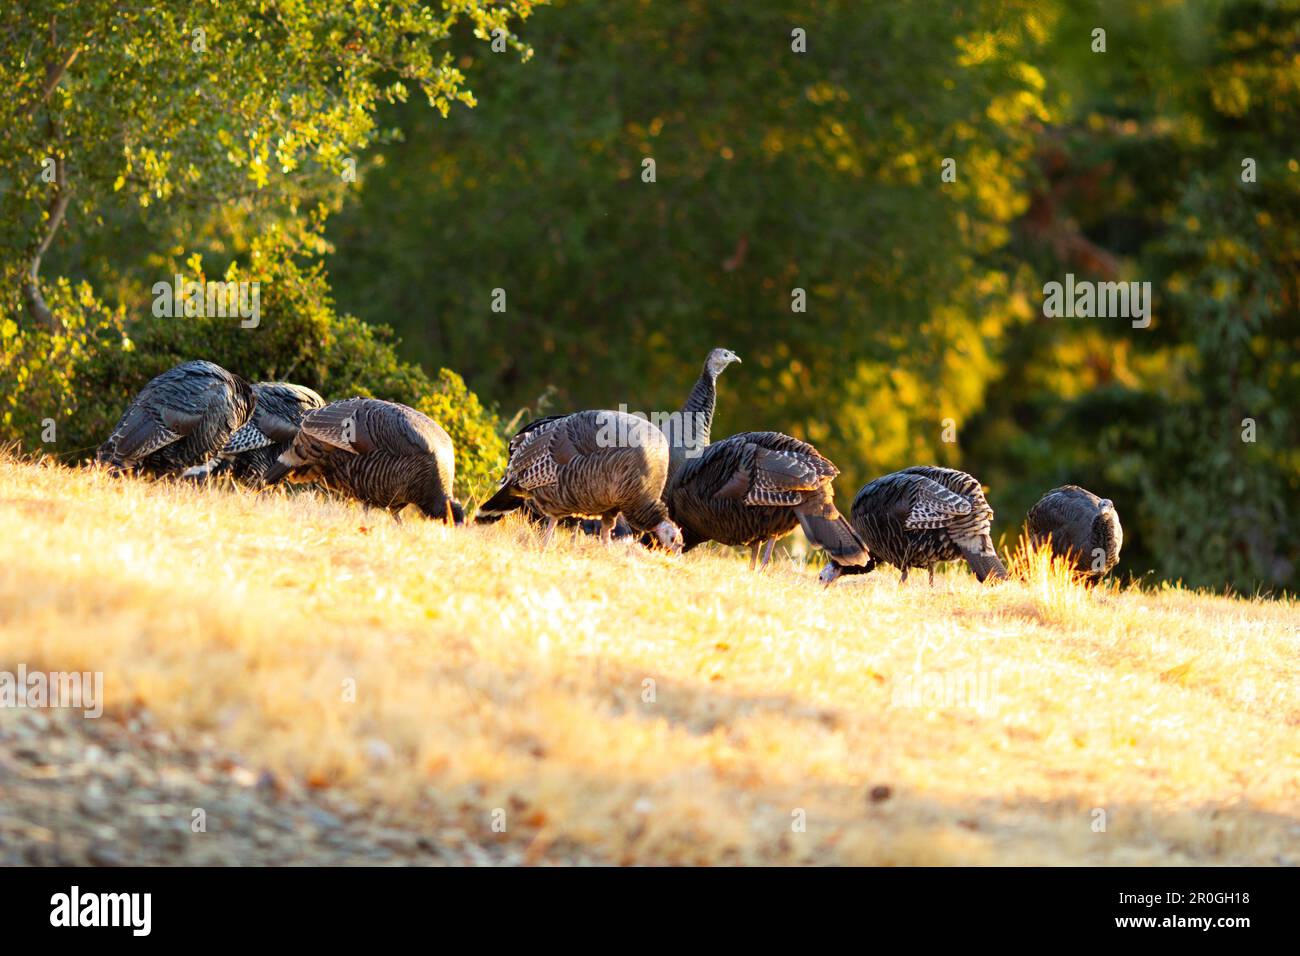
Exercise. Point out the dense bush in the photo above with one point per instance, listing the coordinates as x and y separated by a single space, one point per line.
39 368
84 376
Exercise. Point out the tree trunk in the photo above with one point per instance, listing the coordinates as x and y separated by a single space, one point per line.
36 306
58 208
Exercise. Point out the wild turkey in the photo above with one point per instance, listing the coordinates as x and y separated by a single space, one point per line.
689 435
381 453
504 504
1081 527
253 449
688 430
755 487
589 464
920 516
182 418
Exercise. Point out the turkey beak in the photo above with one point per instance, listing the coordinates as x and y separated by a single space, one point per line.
829 574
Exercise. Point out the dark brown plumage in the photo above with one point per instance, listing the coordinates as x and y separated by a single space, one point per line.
180 419
687 432
1083 528
920 516
382 453
592 464
251 451
504 503
756 487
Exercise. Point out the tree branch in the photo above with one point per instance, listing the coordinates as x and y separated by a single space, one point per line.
36 306
55 71
57 210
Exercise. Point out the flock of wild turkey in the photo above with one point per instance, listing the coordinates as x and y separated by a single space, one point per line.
671 485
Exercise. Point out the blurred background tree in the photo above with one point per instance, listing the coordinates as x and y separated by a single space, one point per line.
822 171
796 146
1189 425
775 171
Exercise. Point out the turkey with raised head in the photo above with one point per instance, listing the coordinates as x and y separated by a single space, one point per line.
920 516
182 418
381 453
1081 527
688 429
591 464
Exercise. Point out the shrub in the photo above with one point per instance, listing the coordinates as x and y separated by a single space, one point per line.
38 369
84 376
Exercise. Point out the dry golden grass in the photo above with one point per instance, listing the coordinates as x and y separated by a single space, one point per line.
491 676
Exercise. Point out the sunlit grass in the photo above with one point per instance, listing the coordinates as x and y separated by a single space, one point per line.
1060 591
624 706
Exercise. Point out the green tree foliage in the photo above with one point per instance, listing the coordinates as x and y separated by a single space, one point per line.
1190 425
136 137
821 170
775 170
39 368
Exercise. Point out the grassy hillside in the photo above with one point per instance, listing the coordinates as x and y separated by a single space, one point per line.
899 725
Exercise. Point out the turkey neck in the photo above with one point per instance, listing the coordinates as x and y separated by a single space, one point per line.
1103 536
691 430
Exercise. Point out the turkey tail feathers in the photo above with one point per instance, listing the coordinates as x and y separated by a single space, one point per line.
276 472
503 502
835 535
985 565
